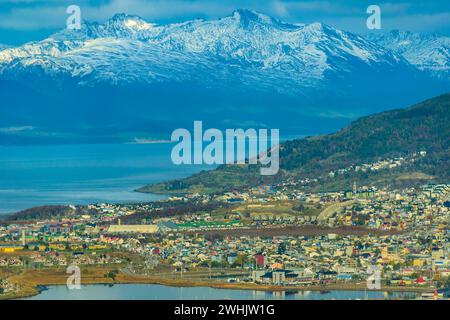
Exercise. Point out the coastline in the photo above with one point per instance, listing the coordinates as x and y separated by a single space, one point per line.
59 277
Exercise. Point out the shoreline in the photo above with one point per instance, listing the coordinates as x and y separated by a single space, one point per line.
39 285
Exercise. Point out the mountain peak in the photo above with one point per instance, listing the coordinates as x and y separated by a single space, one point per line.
246 17
308 54
428 52
316 26
126 21
307 69
396 35
319 27
247 14
124 17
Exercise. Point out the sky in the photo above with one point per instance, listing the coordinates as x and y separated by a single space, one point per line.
29 20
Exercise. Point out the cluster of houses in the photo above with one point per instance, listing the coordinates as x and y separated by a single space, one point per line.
389 163
416 253
400 212
306 260
7 287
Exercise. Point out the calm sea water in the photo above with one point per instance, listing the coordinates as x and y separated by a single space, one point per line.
159 292
82 174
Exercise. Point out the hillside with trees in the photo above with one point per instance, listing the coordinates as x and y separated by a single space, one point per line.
424 127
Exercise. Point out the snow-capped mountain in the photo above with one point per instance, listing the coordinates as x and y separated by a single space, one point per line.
426 52
129 77
127 49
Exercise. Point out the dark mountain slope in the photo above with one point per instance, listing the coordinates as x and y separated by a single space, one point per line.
424 126
387 135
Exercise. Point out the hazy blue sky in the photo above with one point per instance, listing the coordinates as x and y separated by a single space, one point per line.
26 20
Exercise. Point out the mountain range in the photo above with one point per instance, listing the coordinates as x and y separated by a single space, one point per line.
429 53
401 133
128 78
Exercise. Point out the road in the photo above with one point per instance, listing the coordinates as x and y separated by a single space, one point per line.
331 210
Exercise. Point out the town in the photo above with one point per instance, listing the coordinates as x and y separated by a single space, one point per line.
275 237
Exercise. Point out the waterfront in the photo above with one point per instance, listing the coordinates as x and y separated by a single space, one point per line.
82 174
160 292
202 236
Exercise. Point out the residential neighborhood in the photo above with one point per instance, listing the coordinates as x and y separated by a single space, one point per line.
276 235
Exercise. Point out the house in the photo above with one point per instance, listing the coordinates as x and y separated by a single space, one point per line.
278 277
257 275
327 275
55 228
259 260
232 258
420 281
344 277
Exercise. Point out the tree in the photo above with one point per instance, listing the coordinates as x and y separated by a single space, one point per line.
241 260
112 274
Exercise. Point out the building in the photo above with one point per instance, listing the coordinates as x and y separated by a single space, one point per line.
131 228
259 260
278 277
232 258
10 248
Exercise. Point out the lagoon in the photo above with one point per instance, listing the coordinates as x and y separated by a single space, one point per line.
161 292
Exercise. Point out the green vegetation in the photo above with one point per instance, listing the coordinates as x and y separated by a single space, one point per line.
46 212
40 213
112 275
278 208
224 178
385 135
208 224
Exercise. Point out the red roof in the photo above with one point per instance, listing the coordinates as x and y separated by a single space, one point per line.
420 280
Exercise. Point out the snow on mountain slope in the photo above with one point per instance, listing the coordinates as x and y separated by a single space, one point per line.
247 46
131 78
427 52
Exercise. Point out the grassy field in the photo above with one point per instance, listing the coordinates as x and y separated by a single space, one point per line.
276 209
